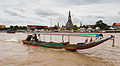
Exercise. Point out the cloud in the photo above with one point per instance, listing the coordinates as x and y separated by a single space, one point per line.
40 12
45 13
67 3
100 17
119 13
14 12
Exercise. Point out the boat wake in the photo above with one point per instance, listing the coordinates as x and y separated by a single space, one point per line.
108 54
11 40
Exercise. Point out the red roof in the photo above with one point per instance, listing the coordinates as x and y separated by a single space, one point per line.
90 25
2 26
36 26
116 24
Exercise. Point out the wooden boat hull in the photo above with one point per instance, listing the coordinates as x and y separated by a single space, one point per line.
43 45
71 47
87 46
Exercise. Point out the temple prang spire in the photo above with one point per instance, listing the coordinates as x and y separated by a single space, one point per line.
69 14
69 23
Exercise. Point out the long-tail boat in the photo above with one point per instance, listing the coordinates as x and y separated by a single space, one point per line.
67 45
11 31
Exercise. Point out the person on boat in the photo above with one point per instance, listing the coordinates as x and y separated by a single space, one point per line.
91 39
29 38
86 41
35 37
99 36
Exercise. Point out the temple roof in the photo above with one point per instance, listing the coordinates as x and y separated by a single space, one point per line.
116 24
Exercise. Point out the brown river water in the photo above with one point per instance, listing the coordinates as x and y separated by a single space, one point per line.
14 53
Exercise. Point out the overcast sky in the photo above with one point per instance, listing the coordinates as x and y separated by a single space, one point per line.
41 12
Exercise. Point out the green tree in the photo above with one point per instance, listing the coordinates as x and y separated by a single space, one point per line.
11 27
40 27
16 27
86 27
102 25
55 27
3 28
24 28
74 27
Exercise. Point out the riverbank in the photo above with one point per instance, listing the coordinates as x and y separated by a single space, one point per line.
68 31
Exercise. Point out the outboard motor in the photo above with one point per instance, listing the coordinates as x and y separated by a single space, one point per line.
29 38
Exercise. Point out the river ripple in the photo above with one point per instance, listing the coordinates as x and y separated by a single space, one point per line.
14 53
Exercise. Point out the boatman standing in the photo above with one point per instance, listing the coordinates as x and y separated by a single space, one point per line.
35 37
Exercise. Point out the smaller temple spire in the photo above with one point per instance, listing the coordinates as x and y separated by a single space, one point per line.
80 24
58 24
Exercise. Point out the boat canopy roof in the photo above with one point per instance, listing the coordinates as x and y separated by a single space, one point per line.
99 35
71 34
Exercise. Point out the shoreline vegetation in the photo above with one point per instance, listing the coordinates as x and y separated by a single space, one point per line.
99 27
65 31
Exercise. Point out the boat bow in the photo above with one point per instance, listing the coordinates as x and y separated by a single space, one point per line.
88 45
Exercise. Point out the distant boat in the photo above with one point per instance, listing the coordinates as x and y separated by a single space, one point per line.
11 31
